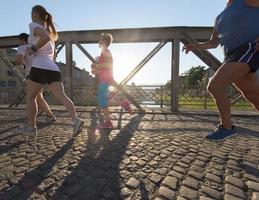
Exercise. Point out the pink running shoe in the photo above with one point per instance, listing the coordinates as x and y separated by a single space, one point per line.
126 106
106 124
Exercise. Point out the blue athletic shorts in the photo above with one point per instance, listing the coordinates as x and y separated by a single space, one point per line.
102 95
246 54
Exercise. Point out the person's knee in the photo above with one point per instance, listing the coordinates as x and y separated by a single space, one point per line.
216 87
39 98
212 87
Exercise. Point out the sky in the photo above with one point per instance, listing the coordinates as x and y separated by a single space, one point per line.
103 14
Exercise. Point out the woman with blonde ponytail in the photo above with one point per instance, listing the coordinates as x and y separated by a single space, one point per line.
44 70
50 26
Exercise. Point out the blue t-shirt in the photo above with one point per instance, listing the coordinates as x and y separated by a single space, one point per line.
237 25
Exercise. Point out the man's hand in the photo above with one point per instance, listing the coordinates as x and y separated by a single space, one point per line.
189 47
252 3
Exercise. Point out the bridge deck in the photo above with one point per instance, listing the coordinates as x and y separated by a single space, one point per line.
157 155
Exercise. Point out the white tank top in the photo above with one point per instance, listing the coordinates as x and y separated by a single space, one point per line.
44 57
22 50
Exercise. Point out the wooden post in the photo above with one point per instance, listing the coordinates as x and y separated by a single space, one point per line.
69 66
175 75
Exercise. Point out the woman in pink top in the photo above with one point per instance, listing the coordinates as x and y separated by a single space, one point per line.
103 69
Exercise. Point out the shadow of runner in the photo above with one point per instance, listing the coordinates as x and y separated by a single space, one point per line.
92 128
143 191
119 120
8 129
29 183
20 119
247 132
250 170
93 143
97 176
8 147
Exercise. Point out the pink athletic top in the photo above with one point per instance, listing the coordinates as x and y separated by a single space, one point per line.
105 75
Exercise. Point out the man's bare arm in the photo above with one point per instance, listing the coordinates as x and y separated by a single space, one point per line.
252 3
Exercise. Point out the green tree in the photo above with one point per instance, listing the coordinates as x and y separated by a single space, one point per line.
194 76
168 85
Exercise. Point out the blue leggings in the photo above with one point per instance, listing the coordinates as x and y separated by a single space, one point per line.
102 95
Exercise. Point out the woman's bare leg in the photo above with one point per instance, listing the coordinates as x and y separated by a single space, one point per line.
32 91
57 90
43 104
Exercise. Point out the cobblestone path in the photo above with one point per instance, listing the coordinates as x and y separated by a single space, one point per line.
146 156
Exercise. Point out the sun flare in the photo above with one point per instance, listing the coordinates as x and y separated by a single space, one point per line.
123 64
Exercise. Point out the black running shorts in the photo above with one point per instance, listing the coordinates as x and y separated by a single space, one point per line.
44 76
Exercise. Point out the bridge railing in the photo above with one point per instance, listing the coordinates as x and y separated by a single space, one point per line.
158 96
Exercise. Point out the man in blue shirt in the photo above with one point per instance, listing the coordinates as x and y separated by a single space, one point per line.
236 30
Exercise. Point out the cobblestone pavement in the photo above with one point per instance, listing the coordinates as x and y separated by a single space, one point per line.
147 156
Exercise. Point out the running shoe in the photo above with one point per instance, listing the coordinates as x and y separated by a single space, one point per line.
221 133
48 119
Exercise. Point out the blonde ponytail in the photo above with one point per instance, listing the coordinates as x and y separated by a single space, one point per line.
50 26
48 20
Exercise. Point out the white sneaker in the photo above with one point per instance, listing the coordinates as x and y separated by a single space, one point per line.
77 126
28 130
48 119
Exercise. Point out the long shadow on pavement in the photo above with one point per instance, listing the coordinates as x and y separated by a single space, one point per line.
29 183
97 174
8 147
250 170
143 191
